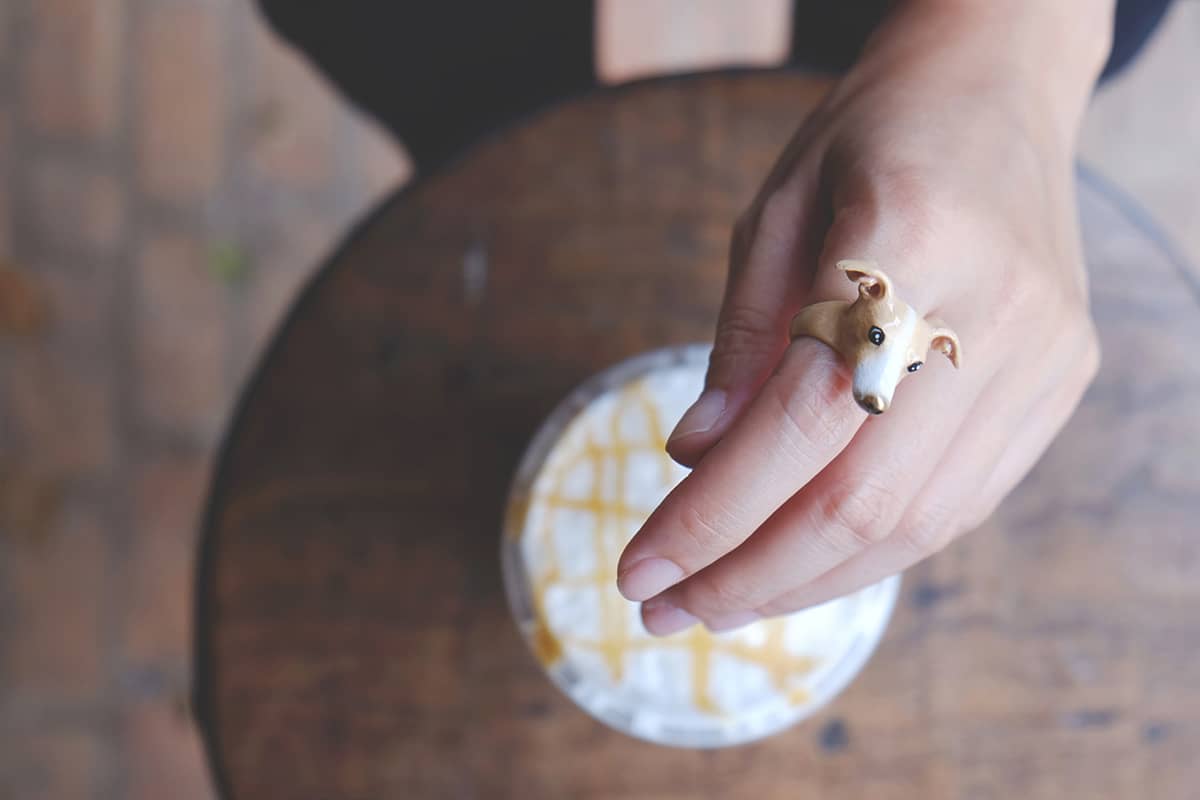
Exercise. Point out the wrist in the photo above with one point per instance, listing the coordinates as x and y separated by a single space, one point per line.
1044 54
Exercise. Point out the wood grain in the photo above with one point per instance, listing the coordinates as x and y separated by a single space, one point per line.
353 639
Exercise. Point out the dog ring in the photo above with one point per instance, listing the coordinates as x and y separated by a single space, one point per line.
879 336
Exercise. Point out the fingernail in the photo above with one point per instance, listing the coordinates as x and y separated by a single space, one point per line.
703 414
728 622
662 617
647 578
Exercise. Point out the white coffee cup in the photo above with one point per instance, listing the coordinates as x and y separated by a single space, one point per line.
591 476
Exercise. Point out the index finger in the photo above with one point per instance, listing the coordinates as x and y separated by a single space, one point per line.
803 416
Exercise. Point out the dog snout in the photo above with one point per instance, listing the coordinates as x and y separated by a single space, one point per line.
871 403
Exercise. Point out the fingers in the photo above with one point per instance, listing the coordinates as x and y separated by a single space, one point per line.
930 522
803 417
1032 440
952 501
771 252
852 506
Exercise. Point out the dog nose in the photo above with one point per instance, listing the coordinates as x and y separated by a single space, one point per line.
870 403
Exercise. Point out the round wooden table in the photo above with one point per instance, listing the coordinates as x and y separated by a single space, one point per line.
353 640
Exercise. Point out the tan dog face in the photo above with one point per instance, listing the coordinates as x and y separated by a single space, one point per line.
883 339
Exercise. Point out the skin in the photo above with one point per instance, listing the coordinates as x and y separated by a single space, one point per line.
945 154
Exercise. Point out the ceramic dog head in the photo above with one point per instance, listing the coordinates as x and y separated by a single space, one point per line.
879 336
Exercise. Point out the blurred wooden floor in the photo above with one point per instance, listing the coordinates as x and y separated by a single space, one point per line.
168 175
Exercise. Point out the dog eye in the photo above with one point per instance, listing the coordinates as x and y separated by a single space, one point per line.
875 335
913 367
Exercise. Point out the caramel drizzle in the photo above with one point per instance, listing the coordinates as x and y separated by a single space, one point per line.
616 639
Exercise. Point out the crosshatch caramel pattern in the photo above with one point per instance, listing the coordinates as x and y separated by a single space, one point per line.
607 460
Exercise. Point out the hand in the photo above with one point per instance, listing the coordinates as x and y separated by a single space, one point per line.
946 156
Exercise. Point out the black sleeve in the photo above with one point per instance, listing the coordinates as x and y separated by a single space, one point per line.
438 73
828 37
1135 22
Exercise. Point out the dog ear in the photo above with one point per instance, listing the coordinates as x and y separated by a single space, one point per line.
945 341
871 281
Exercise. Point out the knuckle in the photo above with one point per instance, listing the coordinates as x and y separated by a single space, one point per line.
813 412
703 530
744 331
923 197
1018 300
858 516
706 595
927 529
741 322
1018 289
